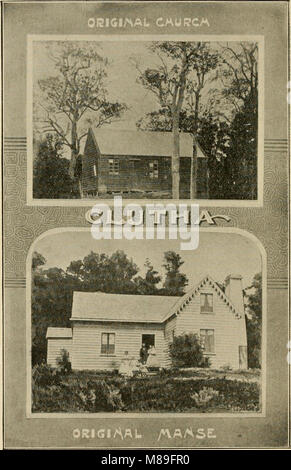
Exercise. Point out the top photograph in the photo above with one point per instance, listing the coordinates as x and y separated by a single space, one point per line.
144 119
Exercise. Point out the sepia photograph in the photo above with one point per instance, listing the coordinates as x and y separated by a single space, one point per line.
145 226
116 330
159 119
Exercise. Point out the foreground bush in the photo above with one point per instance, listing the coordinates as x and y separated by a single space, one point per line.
186 351
147 394
63 362
44 376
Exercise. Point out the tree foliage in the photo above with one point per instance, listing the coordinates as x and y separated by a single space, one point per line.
76 96
221 112
180 76
51 172
100 272
175 281
148 285
253 295
50 305
52 288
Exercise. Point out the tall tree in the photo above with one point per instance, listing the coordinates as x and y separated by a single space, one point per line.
239 76
175 281
239 73
253 296
183 69
51 302
100 272
75 96
51 172
148 285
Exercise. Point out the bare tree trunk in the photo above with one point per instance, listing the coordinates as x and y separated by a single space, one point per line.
74 156
176 158
193 174
74 153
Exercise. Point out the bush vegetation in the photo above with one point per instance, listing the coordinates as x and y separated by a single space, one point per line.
186 351
102 392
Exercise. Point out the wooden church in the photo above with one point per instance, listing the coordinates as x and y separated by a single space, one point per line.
139 163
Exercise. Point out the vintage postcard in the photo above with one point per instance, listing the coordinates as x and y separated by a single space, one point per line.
145 214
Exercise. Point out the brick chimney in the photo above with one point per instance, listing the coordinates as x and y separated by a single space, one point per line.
233 290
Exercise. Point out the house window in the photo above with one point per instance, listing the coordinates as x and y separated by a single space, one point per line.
113 166
107 343
207 337
206 303
154 169
94 170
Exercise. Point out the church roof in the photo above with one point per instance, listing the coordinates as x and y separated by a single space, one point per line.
142 143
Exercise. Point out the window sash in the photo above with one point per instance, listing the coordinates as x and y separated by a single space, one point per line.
154 169
207 337
206 303
113 166
107 343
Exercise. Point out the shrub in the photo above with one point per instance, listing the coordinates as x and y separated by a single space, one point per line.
206 362
63 362
108 397
75 393
44 376
186 351
204 396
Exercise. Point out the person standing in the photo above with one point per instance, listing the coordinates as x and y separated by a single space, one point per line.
152 360
143 354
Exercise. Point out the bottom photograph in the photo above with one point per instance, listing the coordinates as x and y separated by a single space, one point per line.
141 326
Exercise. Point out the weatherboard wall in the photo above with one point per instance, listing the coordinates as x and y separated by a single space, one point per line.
89 159
86 353
170 326
229 331
54 349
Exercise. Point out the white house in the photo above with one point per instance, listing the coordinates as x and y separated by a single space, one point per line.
104 326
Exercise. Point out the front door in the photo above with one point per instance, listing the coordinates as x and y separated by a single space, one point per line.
148 340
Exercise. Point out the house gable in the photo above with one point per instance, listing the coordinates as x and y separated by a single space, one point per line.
220 319
185 300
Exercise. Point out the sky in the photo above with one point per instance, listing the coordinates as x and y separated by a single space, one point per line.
217 255
122 74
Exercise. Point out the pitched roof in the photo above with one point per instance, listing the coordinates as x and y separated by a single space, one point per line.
98 306
59 332
183 301
144 143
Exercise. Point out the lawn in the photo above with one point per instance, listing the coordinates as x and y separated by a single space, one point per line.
187 390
